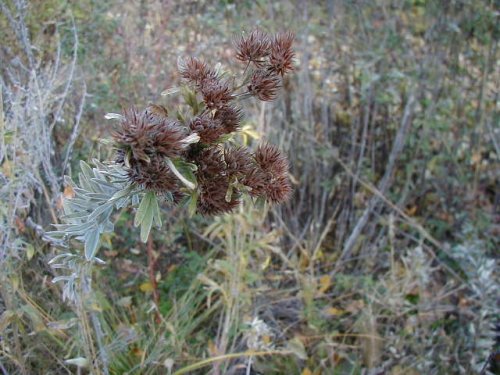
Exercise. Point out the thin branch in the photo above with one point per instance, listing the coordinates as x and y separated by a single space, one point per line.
152 277
69 79
74 133
397 147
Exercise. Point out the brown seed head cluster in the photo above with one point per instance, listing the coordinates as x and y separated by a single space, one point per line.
143 140
211 126
272 57
264 85
195 70
150 142
282 54
253 48
216 94
263 174
143 134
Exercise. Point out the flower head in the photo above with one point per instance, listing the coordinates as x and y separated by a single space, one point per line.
271 160
282 54
154 175
229 117
264 85
207 128
194 70
145 135
253 48
216 94
239 161
213 184
270 179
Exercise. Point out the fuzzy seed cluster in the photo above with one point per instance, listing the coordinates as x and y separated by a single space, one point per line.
146 140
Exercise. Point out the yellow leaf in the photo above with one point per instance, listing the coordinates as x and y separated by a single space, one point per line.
68 192
14 280
212 348
146 287
306 371
333 311
266 263
30 251
266 339
7 168
296 346
325 282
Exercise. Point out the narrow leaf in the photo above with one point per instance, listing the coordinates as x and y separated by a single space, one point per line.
143 207
146 227
91 243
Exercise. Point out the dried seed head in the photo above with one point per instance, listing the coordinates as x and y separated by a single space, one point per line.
212 197
194 70
270 179
282 54
257 180
216 94
153 175
253 48
146 135
168 138
134 134
210 163
207 128
239 161
213 183
279 190
264 85
271 160
229 117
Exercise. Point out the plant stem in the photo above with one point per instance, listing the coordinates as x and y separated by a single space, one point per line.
152 277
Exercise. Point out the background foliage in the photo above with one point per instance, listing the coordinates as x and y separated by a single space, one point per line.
384 261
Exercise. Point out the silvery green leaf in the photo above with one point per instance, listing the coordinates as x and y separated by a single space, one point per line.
86 169
91 243
183 171
122 193
108 227
104 183
99 261
122 202
143 209
156 212
193 201
82 179
75 215
135 200
61 256
99 197
79 361
104 210
62 324
61 278
113 116
170 91
78 230
146 227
